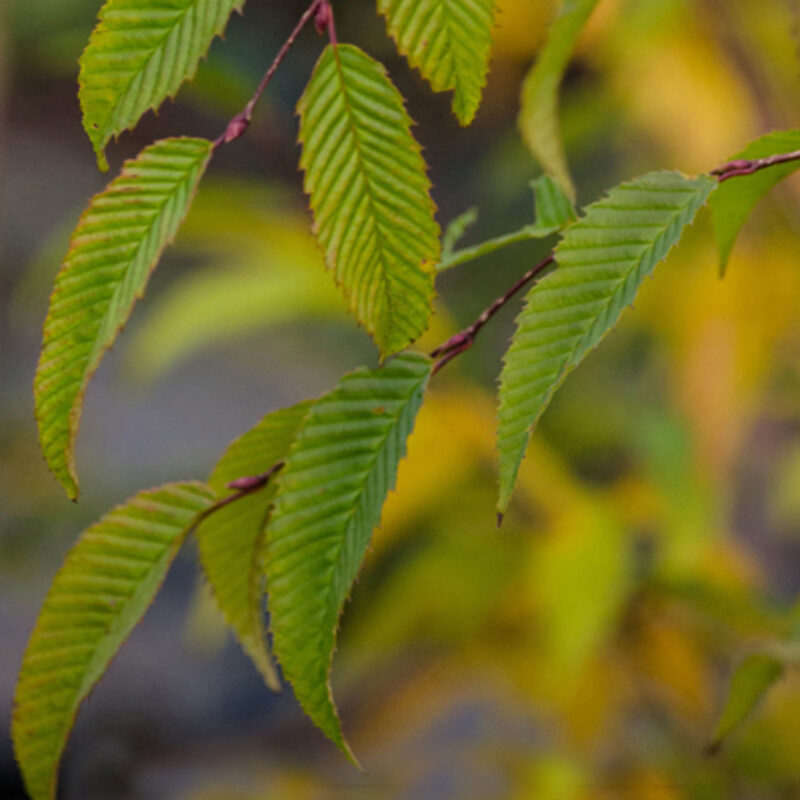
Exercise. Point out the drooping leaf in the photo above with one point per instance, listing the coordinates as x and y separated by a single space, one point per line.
449 42
538 118
115 247
750 682
554 209
139 55
736 198
330 494
232 539
104 588
602 260
370 195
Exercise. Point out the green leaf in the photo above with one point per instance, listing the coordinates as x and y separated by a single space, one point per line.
232 541
449 41
554 208
115 247
104 588
370 195
736 198
338 473
751 681
538 118
139 55
456 230
602 260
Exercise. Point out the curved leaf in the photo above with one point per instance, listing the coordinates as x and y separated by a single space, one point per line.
338 473
735 199
104 588
449 42
538 118
231 540
602 260
139 55
116 245
370 195
750 682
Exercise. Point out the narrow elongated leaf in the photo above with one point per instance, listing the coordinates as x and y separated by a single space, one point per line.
735 199
104 588
602 260
338 473
449 42
115 247
139 55
370 195
232 539
538 118
751 681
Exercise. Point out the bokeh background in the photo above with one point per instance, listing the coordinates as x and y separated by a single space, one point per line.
583 651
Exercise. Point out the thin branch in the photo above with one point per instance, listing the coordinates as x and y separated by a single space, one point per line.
241 122
243 487
735 169
465 339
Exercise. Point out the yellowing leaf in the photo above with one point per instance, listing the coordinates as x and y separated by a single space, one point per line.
369 193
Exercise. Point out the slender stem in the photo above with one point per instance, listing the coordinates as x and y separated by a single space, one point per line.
243 487
465 339
241 122
466 254
735 169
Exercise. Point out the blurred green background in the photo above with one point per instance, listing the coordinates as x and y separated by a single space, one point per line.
583 651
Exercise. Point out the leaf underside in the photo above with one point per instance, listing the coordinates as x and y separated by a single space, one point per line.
735 199
232 542
602 260
538 118
449 41
139 55
370 195
104 588
338 473
115 247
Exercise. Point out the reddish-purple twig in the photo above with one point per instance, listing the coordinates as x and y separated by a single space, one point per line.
243 487
241 122
465 339
734 169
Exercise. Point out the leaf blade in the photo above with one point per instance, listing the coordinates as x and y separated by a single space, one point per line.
449 42
106 584
750 682
115 247
538 117
370 195
735 199
329 499
602 260
139 55
231 541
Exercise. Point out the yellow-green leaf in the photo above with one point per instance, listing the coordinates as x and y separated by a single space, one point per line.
139 55
330 495
117 244
232 539
104 588
370 195
449 41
